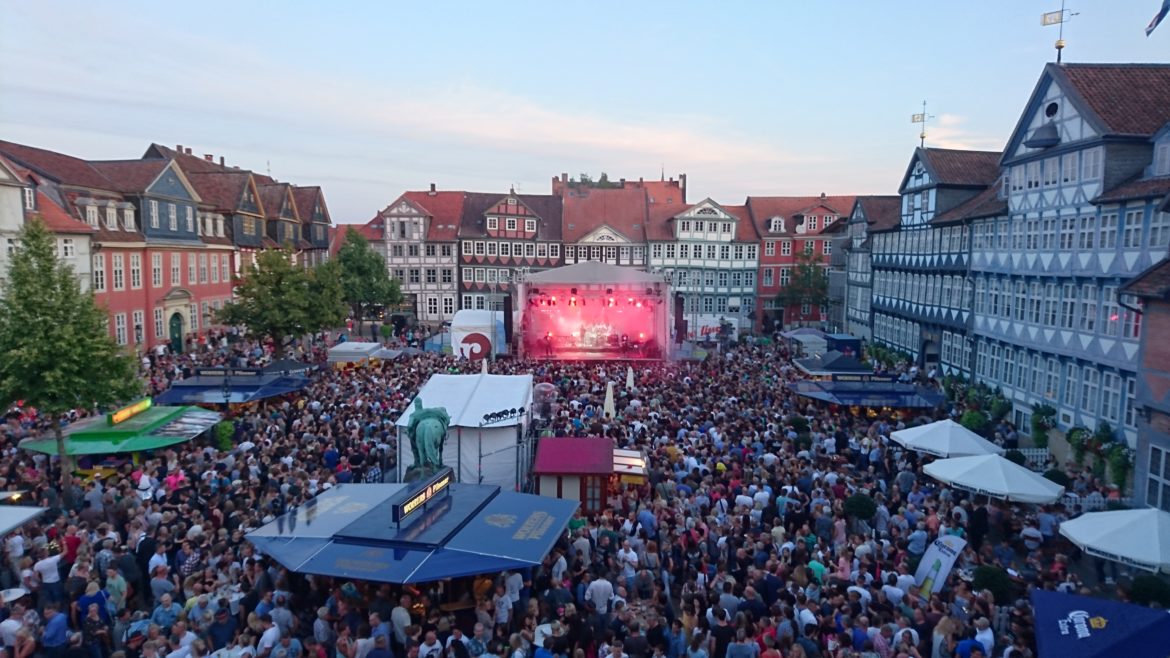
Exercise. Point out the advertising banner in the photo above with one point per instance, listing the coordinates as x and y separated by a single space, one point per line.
936 564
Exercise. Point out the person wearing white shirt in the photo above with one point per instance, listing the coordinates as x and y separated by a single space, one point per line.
628 559
513 584
269 638
600 592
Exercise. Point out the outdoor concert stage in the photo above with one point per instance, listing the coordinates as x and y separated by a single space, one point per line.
594 311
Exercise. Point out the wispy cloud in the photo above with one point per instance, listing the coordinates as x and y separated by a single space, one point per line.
950 131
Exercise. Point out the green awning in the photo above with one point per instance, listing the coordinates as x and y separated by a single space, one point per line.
156 427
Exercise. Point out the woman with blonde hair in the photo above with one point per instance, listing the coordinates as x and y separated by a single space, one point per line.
945 637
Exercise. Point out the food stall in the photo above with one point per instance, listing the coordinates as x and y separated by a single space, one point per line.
586 469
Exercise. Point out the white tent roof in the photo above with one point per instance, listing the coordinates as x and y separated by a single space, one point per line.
474 318
594 272
12 516
352 351
467 398
992 475
945 438
1138 537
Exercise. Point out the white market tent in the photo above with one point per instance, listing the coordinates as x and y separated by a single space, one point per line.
360 353
945 438
13 516
480 449
994 476
1137 537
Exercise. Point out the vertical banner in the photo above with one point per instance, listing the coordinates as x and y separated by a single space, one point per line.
936 564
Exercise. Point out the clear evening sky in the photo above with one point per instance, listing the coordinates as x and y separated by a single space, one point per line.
369 99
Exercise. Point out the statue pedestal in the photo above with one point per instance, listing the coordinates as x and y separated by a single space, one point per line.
417 473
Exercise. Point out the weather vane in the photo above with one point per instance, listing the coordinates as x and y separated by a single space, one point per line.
922 118
1058 18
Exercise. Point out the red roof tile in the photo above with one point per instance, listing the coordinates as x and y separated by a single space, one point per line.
131 176
220 189
569 455
745 229
64 169
658 225
881 212
621 209
985 204
547 207
274 196
307 199
1154 282
55 217
1137 189
960 167
445 210
1130 99
764 208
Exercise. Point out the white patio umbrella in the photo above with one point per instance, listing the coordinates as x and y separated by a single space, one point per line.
629 377
994 476
609 409
1137 537
945 438
484 369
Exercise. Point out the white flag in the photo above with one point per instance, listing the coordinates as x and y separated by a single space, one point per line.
918 118
1052 18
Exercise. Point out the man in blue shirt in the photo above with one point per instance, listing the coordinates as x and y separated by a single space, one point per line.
166 613
56 634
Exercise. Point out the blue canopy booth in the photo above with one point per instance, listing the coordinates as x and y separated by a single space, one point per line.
238 385
868 391
415 533
1072 626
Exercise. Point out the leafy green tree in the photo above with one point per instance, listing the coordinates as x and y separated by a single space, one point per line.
365 281
58 353
281 300
809 283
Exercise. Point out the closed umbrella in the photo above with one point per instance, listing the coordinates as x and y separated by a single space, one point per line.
1137 537
994 476
945 438
610 409
630 377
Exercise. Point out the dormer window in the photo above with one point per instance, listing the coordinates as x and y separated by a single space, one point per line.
829 219
776 225
128 219
111 218
812 222
493 223
91 215
1162 159
30 199
510 223
219 227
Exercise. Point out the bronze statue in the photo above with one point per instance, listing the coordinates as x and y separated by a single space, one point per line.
427 432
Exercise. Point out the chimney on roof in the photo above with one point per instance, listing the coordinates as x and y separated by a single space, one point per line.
622 182
682 184
221 161
209 157
179 148
564 178
640 181
432 192
188 150
822 196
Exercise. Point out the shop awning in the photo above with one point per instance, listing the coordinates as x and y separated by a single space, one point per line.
136 428
872 394
348 532
206 389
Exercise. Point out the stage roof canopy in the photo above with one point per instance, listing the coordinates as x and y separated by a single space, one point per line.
593 272
869 394
468 529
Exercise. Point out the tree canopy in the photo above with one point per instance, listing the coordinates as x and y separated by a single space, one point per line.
58 353
280 300
809 283
365 281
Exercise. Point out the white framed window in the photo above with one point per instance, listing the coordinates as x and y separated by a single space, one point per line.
159 328
786 247
111 218
491 275
811 222
1111 397
785 276
446 275
1088 233
480 303
510 224
135 271
542 250
98 272
119 267
214 268
753 251
1132 232
480 275
225 268
153 205
120 328
191 269
68 248
1089 304
91 215
530 226
1162 159
827 247
769 276
468 248
448 305
1111 315
656 251
1108 238
1069 162
433 306
173 216
529 250
412 276
465 302
1051 172
190 212
1158 479
491 249
218 226
770 248
202 268
1072 380
194 310
1091 164
480 249
128 219
468 275
1090 387
176 269
1068 305
30 198
138 325
493 223
505 249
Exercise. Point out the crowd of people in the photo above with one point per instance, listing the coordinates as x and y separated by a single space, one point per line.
738 546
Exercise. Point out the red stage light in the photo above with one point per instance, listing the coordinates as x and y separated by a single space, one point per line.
641 336
639 304
611 301
629 300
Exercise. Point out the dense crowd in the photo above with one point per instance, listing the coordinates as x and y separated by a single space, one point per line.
738 546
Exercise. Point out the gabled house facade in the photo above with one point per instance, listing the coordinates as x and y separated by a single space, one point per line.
919 267
1084 215
711 254
419 239
881 213
1151 480
792 228
503 237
